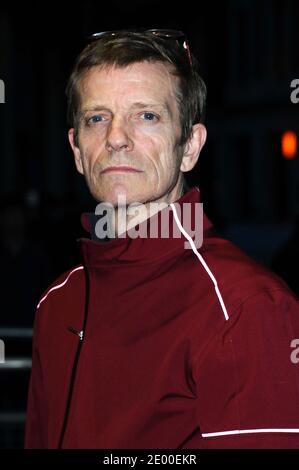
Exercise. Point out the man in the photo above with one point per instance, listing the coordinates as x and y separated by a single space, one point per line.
151 343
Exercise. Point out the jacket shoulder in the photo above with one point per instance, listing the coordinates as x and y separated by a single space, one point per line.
67 283
239 277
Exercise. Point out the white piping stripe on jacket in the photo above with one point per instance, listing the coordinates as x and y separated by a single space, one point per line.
249 431
201 260
59 285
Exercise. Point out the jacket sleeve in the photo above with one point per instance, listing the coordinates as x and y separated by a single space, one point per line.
36 419
247 378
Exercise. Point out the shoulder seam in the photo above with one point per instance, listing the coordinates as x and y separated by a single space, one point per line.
58 286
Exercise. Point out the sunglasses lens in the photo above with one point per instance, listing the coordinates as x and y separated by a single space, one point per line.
102 34
162 33
167 33
178 36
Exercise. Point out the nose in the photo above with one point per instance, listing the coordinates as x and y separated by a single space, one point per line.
118 137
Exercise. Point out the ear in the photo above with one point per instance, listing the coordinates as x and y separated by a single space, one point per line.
76 151
193 147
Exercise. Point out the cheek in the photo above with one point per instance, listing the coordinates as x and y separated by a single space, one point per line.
157 143
163 154
90 152
91 139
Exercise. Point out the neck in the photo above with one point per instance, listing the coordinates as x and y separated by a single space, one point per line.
124 216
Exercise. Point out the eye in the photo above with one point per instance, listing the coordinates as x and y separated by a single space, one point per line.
148 116
94 119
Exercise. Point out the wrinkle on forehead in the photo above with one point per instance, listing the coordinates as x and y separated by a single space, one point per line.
166 68
140 73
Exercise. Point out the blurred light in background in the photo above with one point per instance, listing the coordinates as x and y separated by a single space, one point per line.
289 145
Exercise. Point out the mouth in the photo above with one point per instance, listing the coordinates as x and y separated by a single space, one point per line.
121 169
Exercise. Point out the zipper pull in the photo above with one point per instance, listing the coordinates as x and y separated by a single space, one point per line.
76 332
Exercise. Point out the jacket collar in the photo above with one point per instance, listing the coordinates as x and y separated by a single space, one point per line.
128 250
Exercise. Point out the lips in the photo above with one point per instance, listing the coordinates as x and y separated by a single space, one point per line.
121 169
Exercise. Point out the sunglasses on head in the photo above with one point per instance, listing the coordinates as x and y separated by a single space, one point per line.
167 34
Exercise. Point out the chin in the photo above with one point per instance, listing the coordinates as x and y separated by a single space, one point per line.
119 195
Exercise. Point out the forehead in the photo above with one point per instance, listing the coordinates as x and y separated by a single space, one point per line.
140 81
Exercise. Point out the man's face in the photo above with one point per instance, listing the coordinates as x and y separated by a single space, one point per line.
128 134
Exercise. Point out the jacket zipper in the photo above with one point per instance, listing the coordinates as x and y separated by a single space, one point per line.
76 361
76 332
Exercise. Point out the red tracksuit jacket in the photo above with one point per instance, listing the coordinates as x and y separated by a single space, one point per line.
149 345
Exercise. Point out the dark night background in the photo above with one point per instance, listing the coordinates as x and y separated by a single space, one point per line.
248 51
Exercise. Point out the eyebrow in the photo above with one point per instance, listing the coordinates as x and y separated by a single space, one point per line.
94 108
164 108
